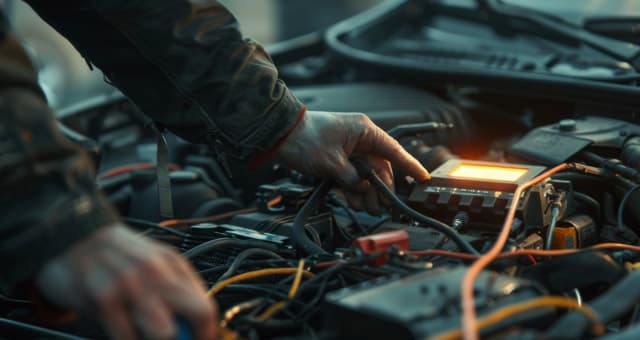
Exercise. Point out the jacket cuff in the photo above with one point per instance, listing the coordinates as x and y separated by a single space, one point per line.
277 124
67 221
261 158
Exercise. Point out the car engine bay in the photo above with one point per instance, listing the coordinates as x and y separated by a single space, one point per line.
535 168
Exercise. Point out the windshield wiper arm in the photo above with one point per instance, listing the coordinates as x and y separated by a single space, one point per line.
623 51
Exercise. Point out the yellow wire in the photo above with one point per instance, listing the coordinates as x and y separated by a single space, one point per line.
297 280
227 334
276 307
509 311
231 313
254 275
269 312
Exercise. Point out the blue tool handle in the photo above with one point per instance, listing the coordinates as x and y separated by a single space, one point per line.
183 330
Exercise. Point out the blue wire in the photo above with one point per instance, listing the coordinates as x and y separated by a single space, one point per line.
623 203
555 211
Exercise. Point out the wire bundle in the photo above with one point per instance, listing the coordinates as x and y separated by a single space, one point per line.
277 293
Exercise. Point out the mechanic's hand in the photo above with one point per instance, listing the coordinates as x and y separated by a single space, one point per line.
135 286
323 142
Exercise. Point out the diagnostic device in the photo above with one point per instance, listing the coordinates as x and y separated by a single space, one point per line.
482 189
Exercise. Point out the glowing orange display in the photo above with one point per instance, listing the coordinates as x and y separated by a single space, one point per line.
490 172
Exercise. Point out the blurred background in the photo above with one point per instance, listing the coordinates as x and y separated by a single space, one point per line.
70 85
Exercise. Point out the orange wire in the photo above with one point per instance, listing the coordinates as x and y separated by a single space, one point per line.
215 218
469 321
274 201
170 223
133 167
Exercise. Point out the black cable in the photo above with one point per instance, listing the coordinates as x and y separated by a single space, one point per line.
9 328
623 203
614 165
335 269
379 224
211 245
305 286
405 130
302 241
213 270
367 172
273 325
310 305
245 254
593 204
259 263
629 333
136 222
635 314
609 306
345 235
16 302
314 233
609 215
354 219
258 290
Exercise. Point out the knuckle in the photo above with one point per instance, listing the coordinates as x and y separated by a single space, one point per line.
106 296
361 122
362 118
153 268
128 282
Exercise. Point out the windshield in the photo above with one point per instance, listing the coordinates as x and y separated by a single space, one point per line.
578 10
267 21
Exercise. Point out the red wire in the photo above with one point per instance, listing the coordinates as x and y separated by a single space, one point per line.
435 252
532 259
524 252
327 264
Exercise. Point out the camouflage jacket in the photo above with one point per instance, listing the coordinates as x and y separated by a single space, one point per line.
184 63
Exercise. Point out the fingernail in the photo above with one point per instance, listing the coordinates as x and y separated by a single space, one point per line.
425 177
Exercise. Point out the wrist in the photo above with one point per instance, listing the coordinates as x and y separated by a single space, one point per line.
53 280
263 157
65 224
48 311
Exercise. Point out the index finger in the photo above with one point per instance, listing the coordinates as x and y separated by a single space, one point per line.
376 141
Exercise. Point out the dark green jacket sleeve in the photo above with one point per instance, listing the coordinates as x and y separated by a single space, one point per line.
48 200
186 65
183 62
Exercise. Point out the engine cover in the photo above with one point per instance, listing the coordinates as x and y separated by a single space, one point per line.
423 305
